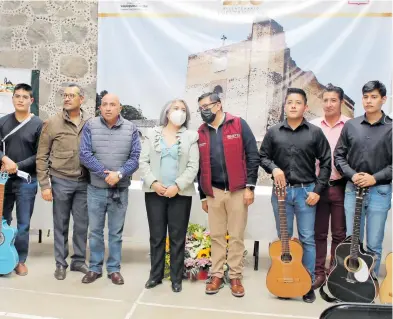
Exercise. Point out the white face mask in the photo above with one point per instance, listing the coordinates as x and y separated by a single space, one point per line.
178 117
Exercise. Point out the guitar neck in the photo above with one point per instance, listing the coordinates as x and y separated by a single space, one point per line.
283 227
356 228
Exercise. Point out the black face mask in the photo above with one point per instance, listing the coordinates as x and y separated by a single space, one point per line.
208 116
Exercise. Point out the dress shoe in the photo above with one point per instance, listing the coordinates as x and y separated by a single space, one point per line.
152 283
90 277
309 297
176 286
116 278
21 269
60 273
237 288
214 285
81 268
318 282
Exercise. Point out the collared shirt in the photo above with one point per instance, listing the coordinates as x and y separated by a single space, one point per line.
332 134
80 119
295 153
221 122
365 147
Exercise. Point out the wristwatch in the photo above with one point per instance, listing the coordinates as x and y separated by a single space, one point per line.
119 174
251 188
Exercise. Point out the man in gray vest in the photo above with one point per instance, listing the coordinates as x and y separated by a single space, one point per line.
109 149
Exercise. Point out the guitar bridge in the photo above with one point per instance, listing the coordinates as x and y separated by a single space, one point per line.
288 280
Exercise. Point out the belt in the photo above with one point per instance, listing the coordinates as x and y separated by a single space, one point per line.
336 182
299 184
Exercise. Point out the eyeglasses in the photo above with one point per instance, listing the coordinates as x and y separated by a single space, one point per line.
206 106
70 96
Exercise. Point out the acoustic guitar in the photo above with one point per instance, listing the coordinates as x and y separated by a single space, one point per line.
8 255
352 278
385 293
287 277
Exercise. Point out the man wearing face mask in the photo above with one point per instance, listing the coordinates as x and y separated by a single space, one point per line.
109 149
229 162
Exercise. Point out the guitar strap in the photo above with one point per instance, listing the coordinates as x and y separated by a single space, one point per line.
325 296
21 174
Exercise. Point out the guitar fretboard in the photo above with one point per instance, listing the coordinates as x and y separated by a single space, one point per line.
283 227
356 227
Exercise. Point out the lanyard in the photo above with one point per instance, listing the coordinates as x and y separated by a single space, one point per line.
14 130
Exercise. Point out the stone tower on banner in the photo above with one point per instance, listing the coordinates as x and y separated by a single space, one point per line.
252 77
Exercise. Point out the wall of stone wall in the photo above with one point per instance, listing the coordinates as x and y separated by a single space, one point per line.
59 38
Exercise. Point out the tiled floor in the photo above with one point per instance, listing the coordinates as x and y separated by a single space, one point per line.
39 295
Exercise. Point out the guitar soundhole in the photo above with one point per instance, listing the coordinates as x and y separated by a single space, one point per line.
353 264
286 258
1 239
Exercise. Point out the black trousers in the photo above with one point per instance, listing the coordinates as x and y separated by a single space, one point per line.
173 214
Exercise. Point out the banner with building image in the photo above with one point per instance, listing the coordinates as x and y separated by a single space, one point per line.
249 52
9 77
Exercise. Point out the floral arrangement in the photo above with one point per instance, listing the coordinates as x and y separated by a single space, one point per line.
197 253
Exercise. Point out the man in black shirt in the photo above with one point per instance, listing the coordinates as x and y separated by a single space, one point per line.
289 151
364 156
19 154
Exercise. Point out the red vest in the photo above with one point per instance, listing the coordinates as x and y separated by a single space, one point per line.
235 157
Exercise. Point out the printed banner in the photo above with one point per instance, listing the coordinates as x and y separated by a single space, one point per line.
9 77
249 52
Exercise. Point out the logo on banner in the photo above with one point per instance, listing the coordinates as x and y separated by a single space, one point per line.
241 6
358 1
241 2
133 6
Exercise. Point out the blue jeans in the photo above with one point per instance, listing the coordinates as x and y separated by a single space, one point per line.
305 218
102 201
376 205
18 191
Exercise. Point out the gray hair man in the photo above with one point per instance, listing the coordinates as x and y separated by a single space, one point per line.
109 149
63 179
